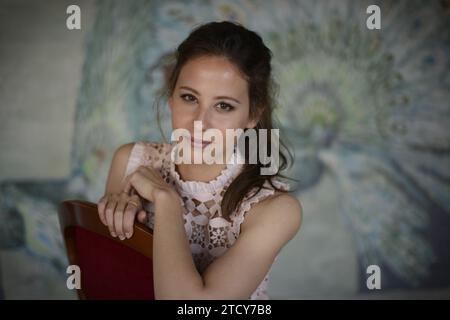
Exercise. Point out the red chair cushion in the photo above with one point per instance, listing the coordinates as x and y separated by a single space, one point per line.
110 270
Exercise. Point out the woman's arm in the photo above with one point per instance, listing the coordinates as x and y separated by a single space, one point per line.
175 274
115 183
269 225
113 208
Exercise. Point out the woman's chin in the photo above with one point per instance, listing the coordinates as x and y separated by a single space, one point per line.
208 155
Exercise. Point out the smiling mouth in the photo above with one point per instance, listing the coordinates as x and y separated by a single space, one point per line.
199 143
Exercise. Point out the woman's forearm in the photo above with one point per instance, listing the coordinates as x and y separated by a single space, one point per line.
175 274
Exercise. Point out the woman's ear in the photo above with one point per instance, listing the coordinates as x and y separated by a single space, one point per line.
253 122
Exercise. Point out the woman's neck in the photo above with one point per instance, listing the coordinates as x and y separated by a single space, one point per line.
199 172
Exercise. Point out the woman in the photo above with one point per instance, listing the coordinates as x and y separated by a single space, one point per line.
217 227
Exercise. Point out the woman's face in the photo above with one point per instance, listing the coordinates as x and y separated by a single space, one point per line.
212 90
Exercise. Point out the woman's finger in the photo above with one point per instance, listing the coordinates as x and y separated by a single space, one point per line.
128 219
109 215
101 208
118 217
142 216
127 188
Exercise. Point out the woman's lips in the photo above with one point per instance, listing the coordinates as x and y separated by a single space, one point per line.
199 143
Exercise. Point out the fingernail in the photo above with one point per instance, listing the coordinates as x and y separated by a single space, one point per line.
114 234
121 237
128 235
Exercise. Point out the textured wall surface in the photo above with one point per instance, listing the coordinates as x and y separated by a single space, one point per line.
366 112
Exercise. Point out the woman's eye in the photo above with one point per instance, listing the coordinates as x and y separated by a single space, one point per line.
188 97
225 106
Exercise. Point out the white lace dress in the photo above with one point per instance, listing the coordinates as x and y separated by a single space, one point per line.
208 233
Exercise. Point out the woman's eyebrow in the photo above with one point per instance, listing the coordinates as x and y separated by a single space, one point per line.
218 97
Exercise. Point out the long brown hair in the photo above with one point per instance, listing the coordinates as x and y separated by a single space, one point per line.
246 50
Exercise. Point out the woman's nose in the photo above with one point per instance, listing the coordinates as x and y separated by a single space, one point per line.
203 115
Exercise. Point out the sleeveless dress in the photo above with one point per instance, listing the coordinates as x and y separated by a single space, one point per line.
209 234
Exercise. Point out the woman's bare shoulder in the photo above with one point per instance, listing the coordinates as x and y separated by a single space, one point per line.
281 210
122 154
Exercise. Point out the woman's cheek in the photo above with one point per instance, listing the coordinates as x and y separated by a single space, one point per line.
180 118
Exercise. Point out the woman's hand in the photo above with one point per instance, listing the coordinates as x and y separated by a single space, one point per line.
150 185
118 211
